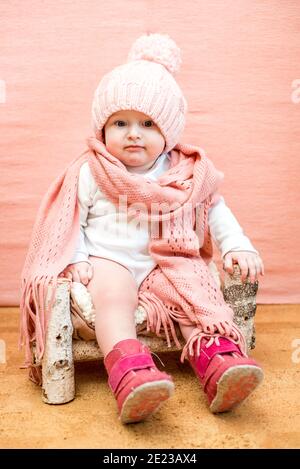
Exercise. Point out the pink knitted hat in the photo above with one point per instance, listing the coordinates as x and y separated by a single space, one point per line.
146 84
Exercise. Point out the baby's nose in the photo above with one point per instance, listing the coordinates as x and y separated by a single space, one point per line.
134 131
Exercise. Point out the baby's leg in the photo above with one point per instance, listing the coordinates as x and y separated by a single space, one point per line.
139 387
186 331
115 297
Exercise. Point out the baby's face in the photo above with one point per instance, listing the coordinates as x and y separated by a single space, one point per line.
134 139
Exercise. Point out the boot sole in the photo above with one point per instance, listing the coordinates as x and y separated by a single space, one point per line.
234 387
144 400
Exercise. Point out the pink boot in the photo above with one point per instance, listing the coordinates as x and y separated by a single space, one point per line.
226 375
136 382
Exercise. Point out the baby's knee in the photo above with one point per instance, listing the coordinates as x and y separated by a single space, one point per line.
120 295
125 296
112 285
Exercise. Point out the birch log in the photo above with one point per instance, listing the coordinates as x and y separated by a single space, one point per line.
242 298
58 366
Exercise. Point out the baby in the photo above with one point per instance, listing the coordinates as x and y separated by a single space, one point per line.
145 209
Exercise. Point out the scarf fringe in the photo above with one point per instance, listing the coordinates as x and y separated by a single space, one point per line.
35 305
35 374
158 317
221 329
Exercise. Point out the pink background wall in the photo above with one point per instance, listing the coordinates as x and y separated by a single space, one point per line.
240 62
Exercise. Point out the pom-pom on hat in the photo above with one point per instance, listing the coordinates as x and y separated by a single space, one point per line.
145 84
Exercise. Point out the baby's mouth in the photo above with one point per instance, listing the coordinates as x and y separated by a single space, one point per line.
134 147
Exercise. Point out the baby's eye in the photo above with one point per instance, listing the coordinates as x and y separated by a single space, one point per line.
120 123
149 123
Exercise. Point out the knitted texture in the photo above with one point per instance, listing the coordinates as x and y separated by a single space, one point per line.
145 84
180 288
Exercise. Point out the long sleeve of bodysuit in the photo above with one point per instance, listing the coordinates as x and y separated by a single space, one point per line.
225 230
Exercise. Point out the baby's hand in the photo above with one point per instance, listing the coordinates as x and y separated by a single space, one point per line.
249 263
81 272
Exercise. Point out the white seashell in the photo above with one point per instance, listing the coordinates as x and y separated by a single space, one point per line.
84 300
140 315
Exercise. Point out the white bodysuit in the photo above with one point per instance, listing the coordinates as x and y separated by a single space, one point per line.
105 232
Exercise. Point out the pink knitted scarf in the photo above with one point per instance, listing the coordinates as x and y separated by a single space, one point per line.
180 288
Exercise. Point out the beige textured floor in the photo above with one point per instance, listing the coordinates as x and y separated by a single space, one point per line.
269 419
